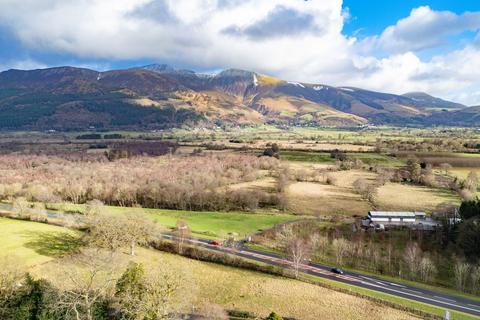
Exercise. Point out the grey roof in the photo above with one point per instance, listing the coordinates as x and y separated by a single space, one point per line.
395 214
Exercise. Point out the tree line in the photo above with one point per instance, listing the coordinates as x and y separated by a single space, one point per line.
170 182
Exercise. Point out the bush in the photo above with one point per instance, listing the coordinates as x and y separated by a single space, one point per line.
274 316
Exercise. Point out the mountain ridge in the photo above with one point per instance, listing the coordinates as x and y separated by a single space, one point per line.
159 95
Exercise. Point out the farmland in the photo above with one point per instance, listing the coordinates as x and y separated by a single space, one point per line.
24 240
230 183
226 286
201 223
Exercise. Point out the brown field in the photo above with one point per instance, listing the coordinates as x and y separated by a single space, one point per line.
320 199
394 196
462 172
345 179
255 292
292 144
297 165
263 183
311 145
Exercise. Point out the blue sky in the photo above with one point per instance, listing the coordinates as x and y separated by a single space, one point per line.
393 46
373 16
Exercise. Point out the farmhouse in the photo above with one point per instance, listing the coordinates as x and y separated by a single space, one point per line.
414 220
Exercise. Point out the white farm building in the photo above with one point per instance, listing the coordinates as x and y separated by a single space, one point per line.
414 220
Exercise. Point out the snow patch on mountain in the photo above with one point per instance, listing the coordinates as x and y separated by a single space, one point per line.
296 84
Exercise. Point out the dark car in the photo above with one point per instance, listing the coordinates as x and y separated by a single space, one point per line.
337 270
215 243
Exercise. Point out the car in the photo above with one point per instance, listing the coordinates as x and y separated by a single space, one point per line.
214 243
337 270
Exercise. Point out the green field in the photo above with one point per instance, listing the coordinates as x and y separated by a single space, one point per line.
320 157
230 287
37 244
34 243
204 223
377 159
219 224
324 157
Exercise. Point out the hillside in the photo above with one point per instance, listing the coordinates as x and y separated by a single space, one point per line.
159 96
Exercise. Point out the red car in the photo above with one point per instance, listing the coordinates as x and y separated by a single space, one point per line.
214 243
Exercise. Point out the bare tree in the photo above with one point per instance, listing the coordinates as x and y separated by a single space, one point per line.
12 276
93 207
367 191
159 293
471 183
461 272
475 279
140 229
182 234
297 249
21 206
341 248
445 167
85 283
411 257
114 231
427 269
319 245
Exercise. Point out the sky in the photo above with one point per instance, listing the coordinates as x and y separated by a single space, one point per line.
391 46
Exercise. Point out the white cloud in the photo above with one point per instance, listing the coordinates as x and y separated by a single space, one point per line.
310 46
423 28
26 64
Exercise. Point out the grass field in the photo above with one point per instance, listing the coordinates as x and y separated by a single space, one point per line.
320 157
324 157
394 196
461 172
321 199
28 241
455 315
256 292
229 287
377 159
205 223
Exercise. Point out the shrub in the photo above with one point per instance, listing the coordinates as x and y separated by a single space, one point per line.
274 316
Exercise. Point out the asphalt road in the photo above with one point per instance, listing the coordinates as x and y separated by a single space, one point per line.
438 299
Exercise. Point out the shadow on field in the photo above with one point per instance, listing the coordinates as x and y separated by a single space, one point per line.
55 244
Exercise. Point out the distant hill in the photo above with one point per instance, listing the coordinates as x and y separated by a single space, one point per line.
160 96
426 101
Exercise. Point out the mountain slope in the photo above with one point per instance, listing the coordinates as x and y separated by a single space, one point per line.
159 96
68 98
427 101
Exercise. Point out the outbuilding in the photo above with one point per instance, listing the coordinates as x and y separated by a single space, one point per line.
414 220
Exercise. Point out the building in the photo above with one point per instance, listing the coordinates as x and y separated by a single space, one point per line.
392 219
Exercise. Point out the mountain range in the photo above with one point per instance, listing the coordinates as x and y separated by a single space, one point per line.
160 96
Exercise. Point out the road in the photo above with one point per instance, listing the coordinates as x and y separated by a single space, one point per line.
434 298
438 299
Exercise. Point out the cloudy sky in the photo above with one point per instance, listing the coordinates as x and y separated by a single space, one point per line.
392 46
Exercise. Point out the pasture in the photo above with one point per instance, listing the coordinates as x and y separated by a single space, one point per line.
229 287
402 197
202 223
34 243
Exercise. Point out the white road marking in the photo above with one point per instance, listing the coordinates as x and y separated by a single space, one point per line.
397 285
429 299
444 298
417 292
417 295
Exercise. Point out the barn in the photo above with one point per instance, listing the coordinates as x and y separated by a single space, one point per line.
414 220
